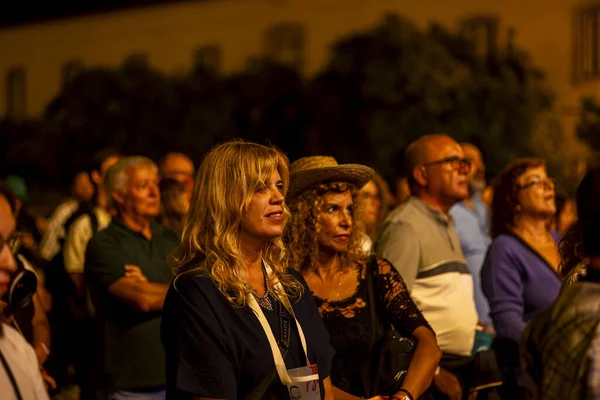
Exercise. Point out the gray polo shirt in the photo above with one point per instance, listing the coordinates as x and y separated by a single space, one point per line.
424 247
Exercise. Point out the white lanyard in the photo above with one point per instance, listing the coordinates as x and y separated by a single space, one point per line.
279 363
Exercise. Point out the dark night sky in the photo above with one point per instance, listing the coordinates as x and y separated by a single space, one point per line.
13 13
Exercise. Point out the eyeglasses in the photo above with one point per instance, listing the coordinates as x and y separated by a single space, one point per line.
539 183
455 162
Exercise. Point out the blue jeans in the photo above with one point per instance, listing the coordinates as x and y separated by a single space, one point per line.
125 395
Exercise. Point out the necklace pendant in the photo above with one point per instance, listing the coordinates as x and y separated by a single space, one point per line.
264 301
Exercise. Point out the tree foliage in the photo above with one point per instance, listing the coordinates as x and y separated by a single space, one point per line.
588 128
394 83
379 90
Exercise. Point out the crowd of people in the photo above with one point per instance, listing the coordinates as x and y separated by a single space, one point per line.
256 278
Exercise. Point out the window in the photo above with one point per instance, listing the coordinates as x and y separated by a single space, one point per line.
482 32
284 43
208 57
15 93
588 59
71 70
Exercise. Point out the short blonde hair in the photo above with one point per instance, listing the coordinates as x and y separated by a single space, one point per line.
225 184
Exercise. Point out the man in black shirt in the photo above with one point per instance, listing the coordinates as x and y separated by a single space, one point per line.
128 273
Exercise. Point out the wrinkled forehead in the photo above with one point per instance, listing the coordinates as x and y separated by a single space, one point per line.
441 148
141 173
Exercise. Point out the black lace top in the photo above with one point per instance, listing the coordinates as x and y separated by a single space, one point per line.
349 323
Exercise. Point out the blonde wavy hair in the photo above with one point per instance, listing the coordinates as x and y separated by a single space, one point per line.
226 181
302 233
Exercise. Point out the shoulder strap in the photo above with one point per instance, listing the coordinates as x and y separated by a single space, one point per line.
284 345
277 356
93 220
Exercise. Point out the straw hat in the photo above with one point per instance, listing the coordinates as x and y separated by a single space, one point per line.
309 171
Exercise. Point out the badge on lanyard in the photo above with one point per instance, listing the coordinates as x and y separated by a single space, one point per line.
304 389
303 382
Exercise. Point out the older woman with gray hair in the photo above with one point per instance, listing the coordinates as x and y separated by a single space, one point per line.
126 268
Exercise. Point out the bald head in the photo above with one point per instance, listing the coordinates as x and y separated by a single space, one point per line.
471 151
423 150
437 171
177 166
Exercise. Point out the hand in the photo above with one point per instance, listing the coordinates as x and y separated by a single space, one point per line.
486 328
448 384
133 271
48 380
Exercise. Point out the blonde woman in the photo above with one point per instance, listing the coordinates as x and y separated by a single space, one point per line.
325 244
230 300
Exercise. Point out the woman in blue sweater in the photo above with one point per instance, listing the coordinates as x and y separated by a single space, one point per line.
519 275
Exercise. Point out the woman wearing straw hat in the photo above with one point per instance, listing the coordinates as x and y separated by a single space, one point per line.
325 247
236 323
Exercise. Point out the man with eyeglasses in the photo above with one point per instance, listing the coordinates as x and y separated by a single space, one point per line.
20 376
419 239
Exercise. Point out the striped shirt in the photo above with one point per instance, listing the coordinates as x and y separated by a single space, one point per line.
423 246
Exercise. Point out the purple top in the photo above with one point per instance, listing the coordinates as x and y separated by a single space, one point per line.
518 284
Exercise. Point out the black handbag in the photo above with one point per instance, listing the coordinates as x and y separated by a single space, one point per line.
391 353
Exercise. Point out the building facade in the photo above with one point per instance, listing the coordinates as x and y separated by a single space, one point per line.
563 37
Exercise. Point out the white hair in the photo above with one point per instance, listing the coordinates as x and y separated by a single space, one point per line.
117 177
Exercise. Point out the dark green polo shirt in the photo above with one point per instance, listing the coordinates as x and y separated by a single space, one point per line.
132 354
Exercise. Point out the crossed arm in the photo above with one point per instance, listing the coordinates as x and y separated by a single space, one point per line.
135 290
